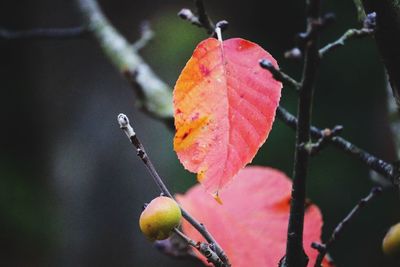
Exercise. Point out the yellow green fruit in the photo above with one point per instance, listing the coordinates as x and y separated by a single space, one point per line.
159 218
391 242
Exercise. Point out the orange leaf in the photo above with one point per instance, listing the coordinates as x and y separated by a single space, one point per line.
252 225
224 106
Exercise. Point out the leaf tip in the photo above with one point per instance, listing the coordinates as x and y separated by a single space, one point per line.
217 198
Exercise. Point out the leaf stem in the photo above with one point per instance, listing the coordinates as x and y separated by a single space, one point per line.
219 34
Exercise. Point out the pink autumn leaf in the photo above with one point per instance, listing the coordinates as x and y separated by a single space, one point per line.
251 225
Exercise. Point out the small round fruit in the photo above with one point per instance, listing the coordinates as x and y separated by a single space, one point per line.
391 242
159 218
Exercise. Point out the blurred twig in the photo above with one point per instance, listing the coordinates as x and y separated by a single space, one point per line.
44 33
155 94
147 35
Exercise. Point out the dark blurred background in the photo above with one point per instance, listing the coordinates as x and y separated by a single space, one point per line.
71 187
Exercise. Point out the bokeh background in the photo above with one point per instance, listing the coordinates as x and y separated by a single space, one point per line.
71 187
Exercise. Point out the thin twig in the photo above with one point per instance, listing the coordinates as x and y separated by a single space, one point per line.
279 75
324 248
187 239
384 168
146 35
141 152
44 33
200 19
203 248
203 17
187 14
349 34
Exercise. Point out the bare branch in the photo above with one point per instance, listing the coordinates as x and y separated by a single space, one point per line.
44 34
141 152
384 168
323 248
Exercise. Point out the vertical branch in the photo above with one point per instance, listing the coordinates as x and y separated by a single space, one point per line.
295 255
